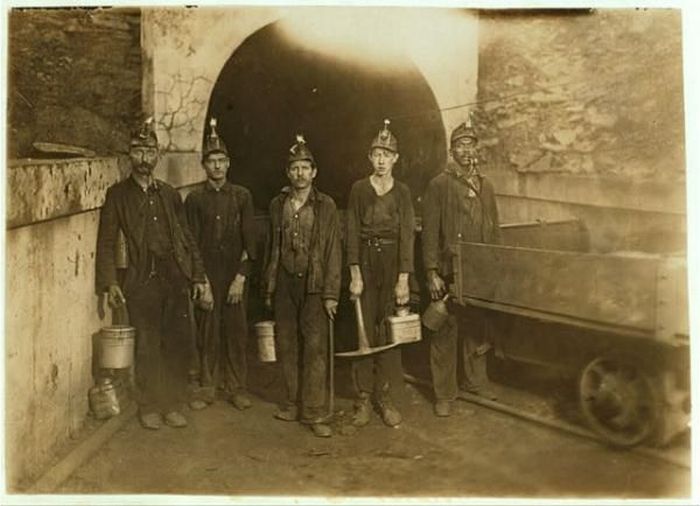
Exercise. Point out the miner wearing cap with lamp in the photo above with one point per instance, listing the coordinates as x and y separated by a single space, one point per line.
302 284
459 205
220 216
164 269
380 239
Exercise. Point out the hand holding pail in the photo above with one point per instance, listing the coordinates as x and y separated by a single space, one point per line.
436 314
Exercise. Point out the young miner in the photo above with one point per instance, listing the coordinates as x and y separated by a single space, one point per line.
380 238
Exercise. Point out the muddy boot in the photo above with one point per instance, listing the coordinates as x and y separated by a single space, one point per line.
240 400
485 391
362 411
150 421
287 413
390 415
443 408
197 405
321 430
175 419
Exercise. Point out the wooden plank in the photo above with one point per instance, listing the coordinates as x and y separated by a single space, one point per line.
610 289
562 235
562 319
672 320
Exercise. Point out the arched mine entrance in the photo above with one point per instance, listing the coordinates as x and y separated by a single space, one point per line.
273 87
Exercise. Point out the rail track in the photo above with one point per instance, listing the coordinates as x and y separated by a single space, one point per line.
560 425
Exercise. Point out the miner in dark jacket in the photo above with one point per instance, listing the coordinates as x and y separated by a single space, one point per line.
220 215
459 205
303 276
380 240
163 266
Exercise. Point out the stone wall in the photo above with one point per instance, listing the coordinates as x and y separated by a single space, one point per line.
74 78
583 92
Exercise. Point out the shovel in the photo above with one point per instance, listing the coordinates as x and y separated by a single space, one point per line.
364 347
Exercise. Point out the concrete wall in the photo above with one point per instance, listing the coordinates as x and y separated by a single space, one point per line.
51 307
186 48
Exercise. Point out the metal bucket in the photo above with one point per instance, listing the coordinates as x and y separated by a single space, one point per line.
435 315
265 331
117 346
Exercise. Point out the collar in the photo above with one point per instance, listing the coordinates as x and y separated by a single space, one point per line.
453 170
226 187
313 194
154 186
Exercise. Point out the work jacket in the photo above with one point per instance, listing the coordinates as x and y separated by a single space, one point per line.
443 221
323 274
123 211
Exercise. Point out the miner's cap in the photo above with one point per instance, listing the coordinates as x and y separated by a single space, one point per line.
385 139
212 142
300 151
464 130
145 135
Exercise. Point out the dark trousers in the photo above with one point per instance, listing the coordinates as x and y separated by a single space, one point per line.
222 335
302 345
468 331
160 310
382 372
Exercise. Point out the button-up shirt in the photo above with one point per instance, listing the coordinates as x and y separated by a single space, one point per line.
389 216
297 226
157 237
221 220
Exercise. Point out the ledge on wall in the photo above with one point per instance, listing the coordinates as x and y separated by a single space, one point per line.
41 190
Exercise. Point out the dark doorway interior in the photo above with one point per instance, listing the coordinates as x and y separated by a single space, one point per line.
270 89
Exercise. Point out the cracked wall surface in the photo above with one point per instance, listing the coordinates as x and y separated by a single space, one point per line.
188 48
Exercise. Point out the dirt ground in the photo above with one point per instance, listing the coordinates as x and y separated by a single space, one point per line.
475 453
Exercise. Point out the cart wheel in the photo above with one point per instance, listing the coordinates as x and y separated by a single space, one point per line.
618 401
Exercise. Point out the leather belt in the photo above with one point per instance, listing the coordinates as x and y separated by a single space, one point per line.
379 241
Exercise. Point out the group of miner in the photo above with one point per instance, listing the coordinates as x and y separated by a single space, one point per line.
186 280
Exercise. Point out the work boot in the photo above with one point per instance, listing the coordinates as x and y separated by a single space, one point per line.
390 415
484 391
287 413
197 405
321 430
362 411
175 419
240 401
150 420
443 408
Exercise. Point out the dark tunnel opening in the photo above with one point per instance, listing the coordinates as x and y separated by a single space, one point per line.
270 89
